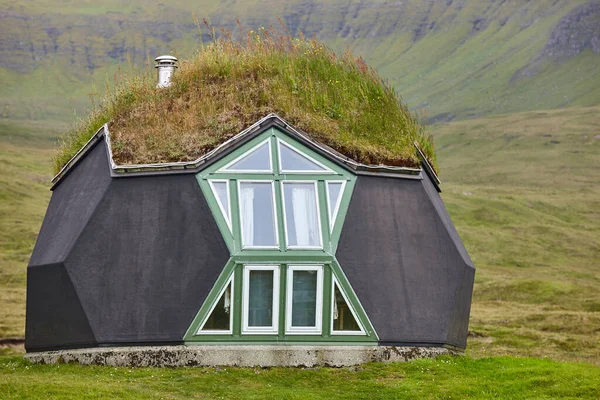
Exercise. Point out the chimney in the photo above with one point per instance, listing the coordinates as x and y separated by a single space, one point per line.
166 66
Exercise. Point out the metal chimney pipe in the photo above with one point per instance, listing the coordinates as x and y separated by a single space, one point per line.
166 66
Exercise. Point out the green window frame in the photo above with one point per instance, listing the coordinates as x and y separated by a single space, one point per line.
312 180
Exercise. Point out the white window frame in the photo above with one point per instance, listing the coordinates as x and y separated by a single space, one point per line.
283 171
226 169
226 216
285 228
229 331
260 330
303 330
337 205
362 332
275 219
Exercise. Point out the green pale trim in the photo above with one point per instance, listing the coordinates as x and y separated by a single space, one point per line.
351 297
341 215
216 211
212 298
330 268
282 256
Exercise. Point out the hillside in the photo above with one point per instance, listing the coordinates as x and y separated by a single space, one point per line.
456 59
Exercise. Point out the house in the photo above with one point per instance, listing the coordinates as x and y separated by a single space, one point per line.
271 249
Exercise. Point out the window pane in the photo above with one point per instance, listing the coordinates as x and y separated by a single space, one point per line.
343 320
260 298
334 192
304 298
220 190
219 318
258 221
291 160
257 160
301 215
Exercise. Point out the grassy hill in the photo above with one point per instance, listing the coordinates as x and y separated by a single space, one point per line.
456 59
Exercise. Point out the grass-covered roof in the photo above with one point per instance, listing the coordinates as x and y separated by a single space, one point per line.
228 85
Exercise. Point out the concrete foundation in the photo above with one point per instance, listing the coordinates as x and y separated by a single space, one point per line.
240 356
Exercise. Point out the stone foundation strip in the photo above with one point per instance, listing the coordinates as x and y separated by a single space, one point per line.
240 356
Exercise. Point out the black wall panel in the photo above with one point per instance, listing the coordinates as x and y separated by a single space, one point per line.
71 206
55 317
147 259
401 260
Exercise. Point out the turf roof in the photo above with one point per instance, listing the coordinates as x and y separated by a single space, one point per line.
228 85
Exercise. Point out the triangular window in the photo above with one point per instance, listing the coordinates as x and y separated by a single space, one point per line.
220 190
293 161
257 159
344 321
335 190
220 319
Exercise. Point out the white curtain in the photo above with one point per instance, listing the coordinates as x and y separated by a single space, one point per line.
247 203
305 216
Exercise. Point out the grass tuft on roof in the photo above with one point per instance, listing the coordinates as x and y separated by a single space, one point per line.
229 84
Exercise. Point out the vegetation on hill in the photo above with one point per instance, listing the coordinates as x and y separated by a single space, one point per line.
456 59
229 85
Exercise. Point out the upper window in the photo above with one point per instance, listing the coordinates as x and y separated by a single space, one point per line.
257 159
257 214
277 195
301 209
293 161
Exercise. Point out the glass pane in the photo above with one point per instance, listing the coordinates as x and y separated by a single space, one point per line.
301 215
335 191
257 160
291 160
343 320
220 189
256 207
219 318
304 298
260 301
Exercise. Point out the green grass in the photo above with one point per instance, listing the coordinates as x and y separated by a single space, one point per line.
444 378
337 99
523 192
24 195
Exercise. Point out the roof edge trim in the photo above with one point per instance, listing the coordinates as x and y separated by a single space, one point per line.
79 155
193 166
428 168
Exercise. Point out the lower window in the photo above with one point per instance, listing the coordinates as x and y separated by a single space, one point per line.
260 302
304 299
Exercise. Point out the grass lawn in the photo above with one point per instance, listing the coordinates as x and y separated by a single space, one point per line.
443 378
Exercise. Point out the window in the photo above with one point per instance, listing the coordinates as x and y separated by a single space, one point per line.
257 159
260 302
257 214
276 203
344 321
291 160
301 209
304 301
335 190
220 319
220 189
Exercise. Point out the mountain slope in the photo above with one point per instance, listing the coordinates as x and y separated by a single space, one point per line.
455 59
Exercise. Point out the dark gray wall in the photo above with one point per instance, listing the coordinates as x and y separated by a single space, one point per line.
141 263
55 317
404 263
71 206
